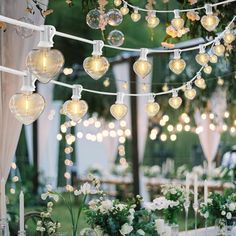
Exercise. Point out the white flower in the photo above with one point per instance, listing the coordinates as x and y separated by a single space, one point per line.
126 229
131 216
120 206
161 203
85 189
223 213
232 206
50 204
93 204
229 215
141 232
106 206
206 215
150 206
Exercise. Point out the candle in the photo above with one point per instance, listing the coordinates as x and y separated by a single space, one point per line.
195 189
187 186
160 226
205 191
3 199
22 212
167 230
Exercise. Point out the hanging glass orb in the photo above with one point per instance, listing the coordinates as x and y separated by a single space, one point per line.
142 68
202 58
175 101
27 107
118 110
22 31
135 16
229 37
45 63
124 10
219 49
117 3
114 17
213 59
93 19
177 65
152 108
116 38
207 69
75 109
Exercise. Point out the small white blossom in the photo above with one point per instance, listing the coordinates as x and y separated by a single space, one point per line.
229 215
141 232
126 229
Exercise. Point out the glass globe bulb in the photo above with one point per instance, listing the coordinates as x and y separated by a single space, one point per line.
213 59
190 93
142 68
115 17
200 83
210 22
229 37
118 110
75 109
152 108
124 10
116 38
96 66
219 50
117 3
27 107
44 63
135 16
207 69
175 102
152 21
202 58
177 23
94 19
177 66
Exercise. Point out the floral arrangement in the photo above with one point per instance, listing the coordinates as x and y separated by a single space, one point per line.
121 170
181 172
82 193
95 170
152 171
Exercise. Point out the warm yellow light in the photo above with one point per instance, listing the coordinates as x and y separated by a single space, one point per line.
207 69
118 110
202 57
45 63
27 107
117 3
96 66
190 93
229 37
152 108
163 137
173 137
177 65
124 10
142 67
177 22
152 21
135 16
175 101
210 22
75 109
218 49
213 59
200 82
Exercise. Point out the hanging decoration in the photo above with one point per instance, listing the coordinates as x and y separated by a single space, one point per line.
116 38
202 57
190 92
177 65
218 49
135 16
152 107
175 101
200 82
119 109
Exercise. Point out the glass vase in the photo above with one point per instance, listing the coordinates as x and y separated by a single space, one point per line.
231 226
221 227
174 229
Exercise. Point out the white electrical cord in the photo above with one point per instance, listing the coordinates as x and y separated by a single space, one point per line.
172 11
69 36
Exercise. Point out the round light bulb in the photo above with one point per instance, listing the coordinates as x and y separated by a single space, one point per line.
152 21
96 66
45 63
213 59
118 110
177 23
190 93
207 69
152 108
200 83
219 49
135 16
117 3
202 58
175 101
75 109
142 68
27 107
124 10
177 66
210 22
229 37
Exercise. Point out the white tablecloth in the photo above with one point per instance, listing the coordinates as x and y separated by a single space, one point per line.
211 231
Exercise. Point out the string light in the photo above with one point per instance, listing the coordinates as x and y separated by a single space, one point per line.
135 16
96 66
106 82
202 57
75 108
200 82
177 65
218 49
124 10
27 106
190 92
45 63
213 59
177 22
207 69
209 21
152 107
117 3
119 109
142 67
165 87
175 101
152 20
229 37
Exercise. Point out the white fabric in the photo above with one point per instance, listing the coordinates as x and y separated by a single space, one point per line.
211 231
229 159
29 142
